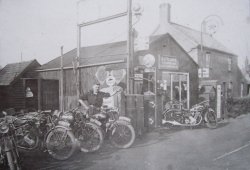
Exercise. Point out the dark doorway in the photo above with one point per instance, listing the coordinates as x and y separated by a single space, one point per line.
49 94
31 94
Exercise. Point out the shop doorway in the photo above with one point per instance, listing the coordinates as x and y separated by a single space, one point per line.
177 87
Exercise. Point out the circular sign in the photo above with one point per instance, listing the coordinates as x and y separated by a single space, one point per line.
148 60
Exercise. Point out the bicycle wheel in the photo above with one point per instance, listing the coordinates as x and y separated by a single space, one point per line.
60 143
90 137
211 119
122 135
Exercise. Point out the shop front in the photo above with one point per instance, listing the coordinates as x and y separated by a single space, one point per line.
164 73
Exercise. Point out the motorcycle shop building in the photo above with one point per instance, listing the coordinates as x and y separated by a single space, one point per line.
162 73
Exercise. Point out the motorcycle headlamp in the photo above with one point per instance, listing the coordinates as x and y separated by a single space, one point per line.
4 128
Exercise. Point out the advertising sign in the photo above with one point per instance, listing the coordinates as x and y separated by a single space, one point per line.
218 104
203 72
168 62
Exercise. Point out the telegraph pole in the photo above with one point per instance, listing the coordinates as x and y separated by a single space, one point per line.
129 49
77 69
61 83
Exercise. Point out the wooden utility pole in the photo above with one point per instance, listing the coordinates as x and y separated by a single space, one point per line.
129 49
77 69
61 83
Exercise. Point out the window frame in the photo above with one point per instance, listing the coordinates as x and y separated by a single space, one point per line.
229 63
208 60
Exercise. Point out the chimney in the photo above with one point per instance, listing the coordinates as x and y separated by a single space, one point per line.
165 13
165 18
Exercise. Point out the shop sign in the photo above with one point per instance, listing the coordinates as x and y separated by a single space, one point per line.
138 76
168 62
148 60
218 104
203 72
149 70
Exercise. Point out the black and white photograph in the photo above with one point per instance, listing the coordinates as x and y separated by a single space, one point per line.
124 84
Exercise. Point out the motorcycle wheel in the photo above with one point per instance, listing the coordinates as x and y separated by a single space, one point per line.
90 137
60 143
22 144
211 119
122 135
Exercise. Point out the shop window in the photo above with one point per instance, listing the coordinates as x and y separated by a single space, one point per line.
229 61
241 89
207 59
230 89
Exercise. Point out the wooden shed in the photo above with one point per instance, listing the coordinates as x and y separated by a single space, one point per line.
15 78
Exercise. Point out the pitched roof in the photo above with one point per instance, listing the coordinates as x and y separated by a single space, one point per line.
96 54
91 55
14 70
190 39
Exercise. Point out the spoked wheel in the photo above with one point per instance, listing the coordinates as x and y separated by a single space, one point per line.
122 135
29 144
198 119
60 143
90 137
211 119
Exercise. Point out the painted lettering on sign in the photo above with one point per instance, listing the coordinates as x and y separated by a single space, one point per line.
168 62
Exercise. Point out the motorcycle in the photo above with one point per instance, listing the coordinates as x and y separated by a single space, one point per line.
9 156
86 130
117 128
38 130
175 115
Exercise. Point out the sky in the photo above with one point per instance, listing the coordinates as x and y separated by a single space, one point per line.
36 29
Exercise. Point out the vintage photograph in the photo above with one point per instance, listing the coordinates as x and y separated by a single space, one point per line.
124 84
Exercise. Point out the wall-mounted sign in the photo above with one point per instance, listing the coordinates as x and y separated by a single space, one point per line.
149 70
218 104
148 60
139 76
203 72
168 62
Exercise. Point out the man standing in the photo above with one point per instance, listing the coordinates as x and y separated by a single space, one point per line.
95 97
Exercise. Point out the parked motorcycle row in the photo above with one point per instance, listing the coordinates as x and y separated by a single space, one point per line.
61 133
